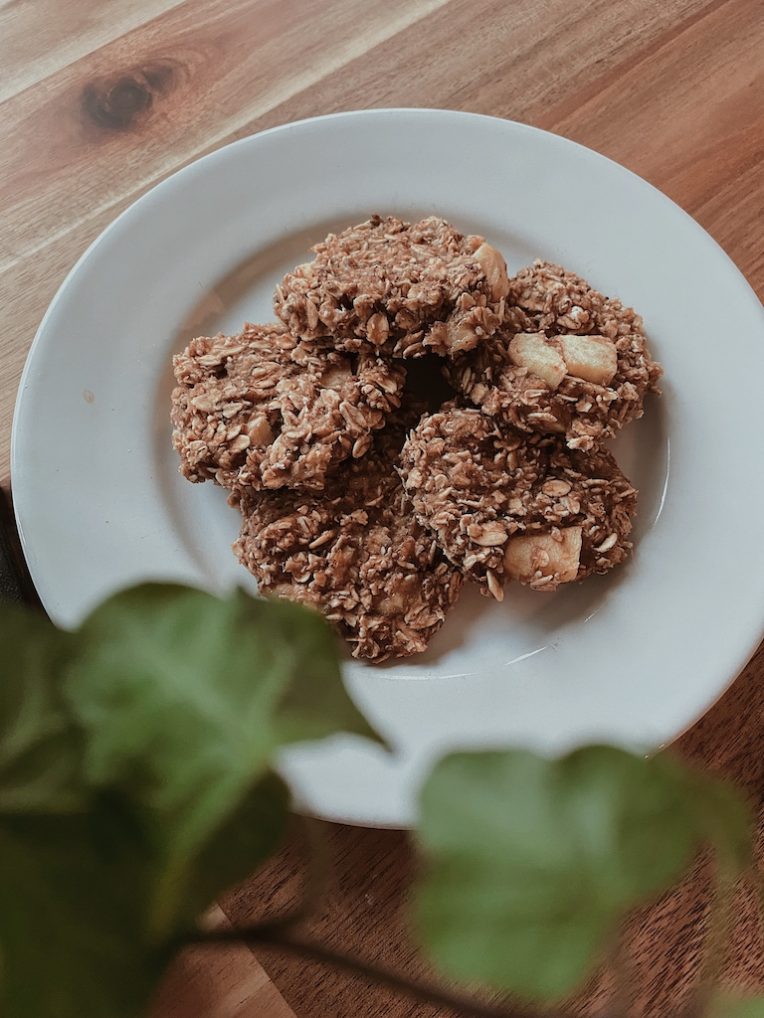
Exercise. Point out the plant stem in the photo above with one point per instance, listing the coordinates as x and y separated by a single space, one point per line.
276 935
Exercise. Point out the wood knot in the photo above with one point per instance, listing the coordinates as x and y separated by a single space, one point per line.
121 101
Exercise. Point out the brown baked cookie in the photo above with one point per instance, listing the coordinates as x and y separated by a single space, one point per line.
397 288
567 361
265 410
507 506
355 552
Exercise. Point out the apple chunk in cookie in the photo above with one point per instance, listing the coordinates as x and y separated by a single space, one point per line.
567 360
507 506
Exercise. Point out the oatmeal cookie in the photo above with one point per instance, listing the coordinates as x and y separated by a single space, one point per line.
264 410
507 506
567 360
356 552
397 288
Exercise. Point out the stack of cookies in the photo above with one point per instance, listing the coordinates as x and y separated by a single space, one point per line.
370 488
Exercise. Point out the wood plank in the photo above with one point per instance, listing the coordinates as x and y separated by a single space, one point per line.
364 913
220 982
685 131
733 215
514 64
155 97
39 37
170 101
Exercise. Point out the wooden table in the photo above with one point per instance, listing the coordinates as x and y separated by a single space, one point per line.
100 101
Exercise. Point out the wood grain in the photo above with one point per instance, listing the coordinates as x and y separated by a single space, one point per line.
99 101
225 983
41 36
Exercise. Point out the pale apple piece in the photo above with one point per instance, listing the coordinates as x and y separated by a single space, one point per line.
495 268
532 350
529 554
593 358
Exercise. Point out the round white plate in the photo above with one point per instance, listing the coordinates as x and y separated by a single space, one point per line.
632 658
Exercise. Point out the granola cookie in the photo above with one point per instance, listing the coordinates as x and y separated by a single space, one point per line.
567 361
506 506
355 552
264 410
397 288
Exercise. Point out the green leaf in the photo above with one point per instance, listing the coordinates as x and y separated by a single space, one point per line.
532 862
72 870
251 833
724 818
96 885
40 747
72 894
185 699
725 1005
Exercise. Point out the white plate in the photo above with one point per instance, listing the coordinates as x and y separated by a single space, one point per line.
632 658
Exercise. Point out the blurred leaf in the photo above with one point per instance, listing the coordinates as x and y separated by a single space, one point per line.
72 895
724 819
39 745
185 699
725 1005
135 781
532 862
250 834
